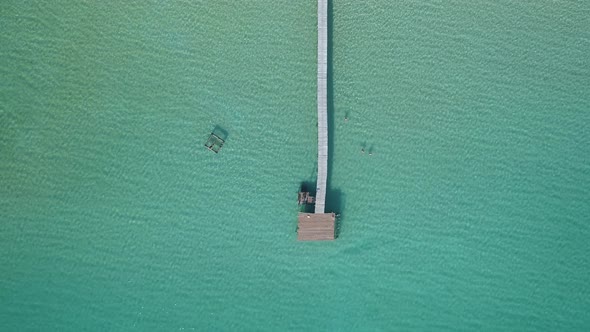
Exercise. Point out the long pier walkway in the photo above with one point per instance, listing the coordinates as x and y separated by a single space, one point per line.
320 200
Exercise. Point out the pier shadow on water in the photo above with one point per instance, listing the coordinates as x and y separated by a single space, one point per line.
334 197
221 132
335 201
330 96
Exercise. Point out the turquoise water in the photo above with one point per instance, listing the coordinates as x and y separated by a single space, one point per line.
471 213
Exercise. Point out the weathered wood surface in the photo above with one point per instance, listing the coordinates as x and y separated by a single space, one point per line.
316 227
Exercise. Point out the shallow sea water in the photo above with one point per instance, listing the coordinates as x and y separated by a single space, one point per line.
471 213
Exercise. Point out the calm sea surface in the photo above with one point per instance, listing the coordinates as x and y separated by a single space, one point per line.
471 214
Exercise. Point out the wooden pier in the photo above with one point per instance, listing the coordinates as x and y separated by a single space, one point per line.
320 199
319 226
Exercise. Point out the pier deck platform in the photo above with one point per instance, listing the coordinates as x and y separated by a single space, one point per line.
316 226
